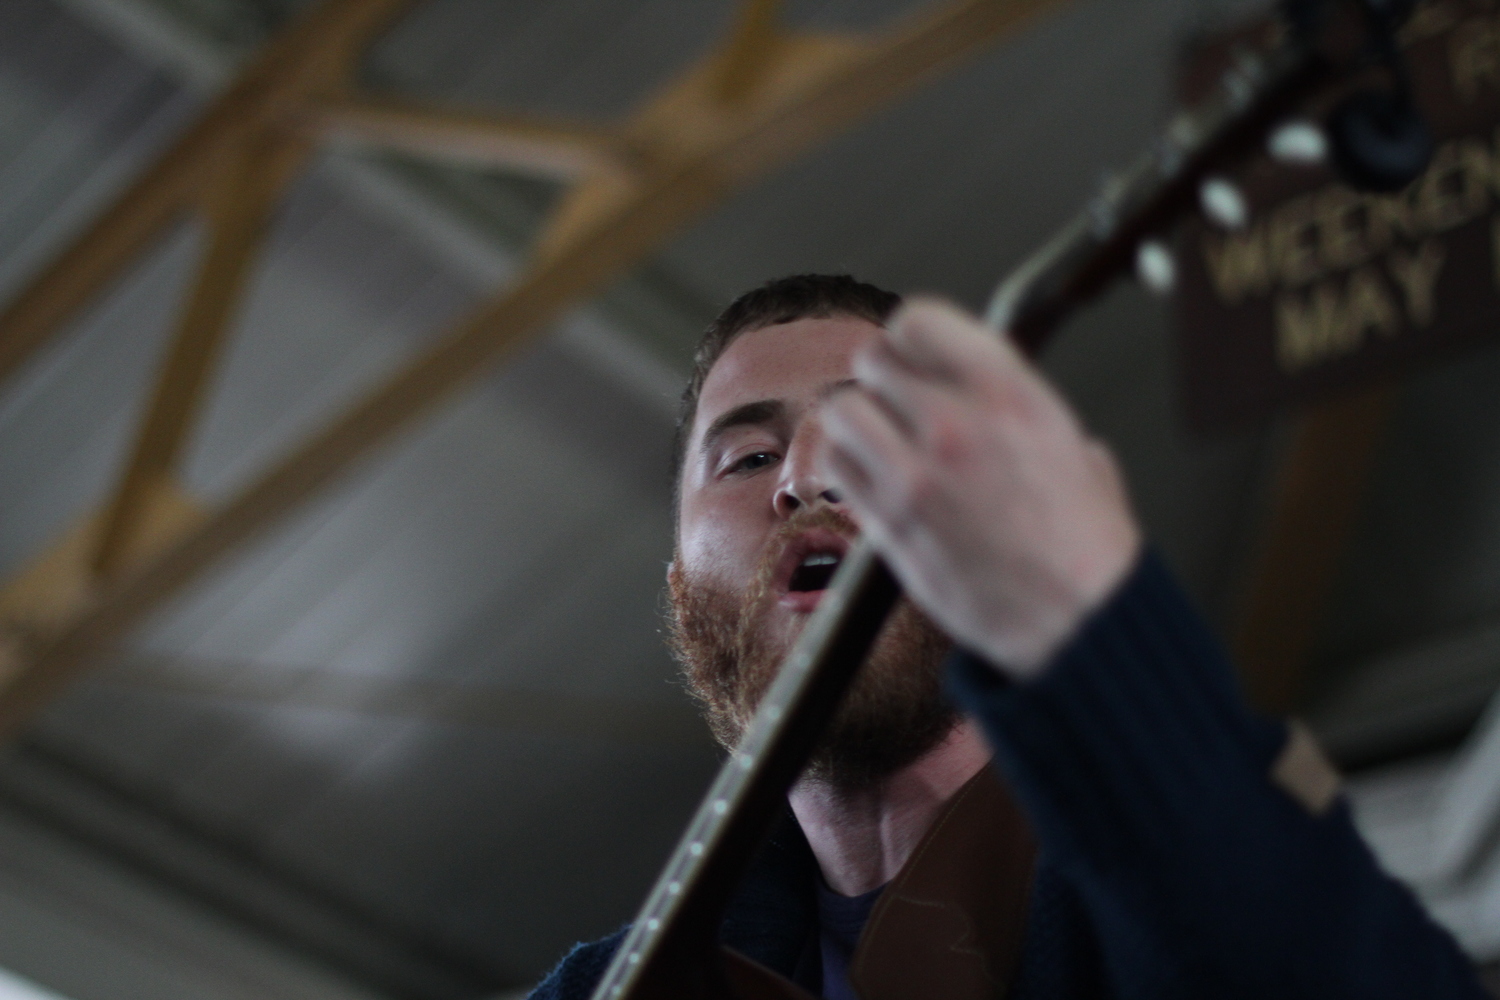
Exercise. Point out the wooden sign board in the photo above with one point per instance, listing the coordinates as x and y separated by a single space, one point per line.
1327 287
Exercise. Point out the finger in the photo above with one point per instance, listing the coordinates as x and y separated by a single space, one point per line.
933 336
857 425
910 396
940 336
849 478
867 438
932 415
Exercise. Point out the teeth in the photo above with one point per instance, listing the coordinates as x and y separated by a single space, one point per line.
821 559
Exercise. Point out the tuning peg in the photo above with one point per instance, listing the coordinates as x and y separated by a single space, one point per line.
1155 267
1223 203
1299 142
1380 141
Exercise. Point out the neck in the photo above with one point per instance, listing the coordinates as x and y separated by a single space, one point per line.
862 839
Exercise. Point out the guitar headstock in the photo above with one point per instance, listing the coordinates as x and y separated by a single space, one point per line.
1375 136
1337 279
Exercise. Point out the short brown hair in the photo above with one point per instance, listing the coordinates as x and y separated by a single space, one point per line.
799 296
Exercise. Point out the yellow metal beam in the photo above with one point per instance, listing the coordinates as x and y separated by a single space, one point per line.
750 51
238 207
694 149
567 715
565 151
311 58
53 588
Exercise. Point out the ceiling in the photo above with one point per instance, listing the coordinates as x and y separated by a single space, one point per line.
425 731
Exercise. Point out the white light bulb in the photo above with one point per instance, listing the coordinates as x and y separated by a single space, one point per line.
1299 141
1155 267
1223 203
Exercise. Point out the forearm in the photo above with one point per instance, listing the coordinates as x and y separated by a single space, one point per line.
1149 782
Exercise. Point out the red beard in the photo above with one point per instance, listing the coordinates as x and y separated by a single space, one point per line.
892 715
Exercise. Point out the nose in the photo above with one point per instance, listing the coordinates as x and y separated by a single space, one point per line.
802 483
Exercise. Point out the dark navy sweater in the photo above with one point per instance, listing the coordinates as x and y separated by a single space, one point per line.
1171 866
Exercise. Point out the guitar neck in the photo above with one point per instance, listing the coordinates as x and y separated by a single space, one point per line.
1161 185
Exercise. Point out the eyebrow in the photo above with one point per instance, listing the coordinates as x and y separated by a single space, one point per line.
762 411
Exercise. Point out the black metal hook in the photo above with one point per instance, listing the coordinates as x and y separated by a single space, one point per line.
1379 139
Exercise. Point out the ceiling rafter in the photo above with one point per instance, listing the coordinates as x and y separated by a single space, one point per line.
313 56
237 204
563 151
566 714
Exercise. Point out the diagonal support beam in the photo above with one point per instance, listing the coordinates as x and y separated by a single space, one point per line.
696 148
312 57
239 206
564 151
548 713
750 50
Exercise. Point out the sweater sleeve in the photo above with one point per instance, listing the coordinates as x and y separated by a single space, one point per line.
1148 781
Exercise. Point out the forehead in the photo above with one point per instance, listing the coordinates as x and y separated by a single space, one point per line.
786 361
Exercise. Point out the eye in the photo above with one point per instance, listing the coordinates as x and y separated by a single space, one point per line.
753 461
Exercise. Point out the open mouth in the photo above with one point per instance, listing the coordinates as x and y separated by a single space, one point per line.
806 567
814 571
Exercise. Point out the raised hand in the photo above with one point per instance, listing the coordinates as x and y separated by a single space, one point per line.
1003 519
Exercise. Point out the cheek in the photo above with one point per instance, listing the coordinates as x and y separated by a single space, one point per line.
720 539
713 552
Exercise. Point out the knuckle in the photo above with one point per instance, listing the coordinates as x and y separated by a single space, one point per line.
918 490
950 437
950 442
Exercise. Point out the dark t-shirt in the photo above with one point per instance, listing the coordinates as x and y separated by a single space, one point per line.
840 919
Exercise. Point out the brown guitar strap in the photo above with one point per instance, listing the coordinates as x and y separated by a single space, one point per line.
952 922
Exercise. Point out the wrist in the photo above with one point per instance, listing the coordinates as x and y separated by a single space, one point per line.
1059 611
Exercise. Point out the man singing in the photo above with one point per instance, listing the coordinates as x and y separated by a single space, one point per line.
1043 784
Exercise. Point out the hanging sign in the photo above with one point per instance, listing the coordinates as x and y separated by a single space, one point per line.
1325 287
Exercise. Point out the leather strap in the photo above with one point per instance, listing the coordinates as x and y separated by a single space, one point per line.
952 922
747 979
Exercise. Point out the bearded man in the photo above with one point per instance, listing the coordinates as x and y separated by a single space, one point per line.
1141 833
